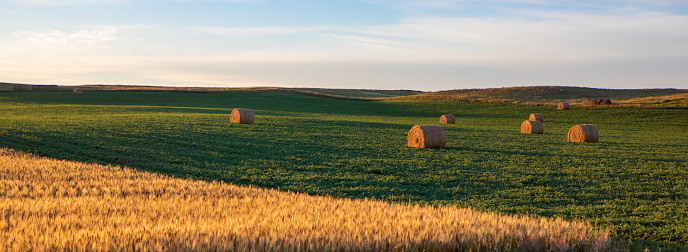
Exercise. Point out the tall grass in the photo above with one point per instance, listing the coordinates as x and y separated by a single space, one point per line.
53 205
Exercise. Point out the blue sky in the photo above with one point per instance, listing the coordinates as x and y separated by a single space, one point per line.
378 44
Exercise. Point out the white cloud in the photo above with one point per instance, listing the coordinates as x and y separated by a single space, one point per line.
58 37
498 3
107 2
69 2
90 35
369 42
560 37
257 31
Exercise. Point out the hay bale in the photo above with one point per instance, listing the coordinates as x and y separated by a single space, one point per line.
563 105
536 117
596 102
427 136
447 119
241 116
78 91
43 87
532 127
20 87
583 133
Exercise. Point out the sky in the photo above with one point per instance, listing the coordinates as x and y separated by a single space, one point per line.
362 44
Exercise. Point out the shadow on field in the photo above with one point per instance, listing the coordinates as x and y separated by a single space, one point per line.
548 154
287 103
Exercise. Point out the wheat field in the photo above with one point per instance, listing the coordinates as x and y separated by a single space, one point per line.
55 205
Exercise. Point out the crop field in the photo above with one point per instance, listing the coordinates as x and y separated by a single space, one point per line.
635 179
56 205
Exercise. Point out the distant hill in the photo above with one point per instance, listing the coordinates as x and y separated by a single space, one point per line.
551 95
336 93
534 95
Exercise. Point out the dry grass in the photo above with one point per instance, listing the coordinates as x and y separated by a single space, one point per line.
675 100
552 95
48 204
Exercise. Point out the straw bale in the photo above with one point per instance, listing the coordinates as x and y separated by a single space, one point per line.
583 133
20 87
591 102
563 105
447 119
532 127
44 87
427 136
78 91
241 116
536 117
596 102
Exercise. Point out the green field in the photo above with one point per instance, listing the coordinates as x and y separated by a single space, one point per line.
635 178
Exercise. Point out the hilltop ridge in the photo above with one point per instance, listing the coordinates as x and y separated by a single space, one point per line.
551 95
527 95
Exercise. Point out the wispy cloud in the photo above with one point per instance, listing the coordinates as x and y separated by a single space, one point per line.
558 37
369 41
107 2
69 2
58 37
257 31
82 36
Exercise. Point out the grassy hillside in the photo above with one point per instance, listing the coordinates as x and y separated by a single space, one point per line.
635 178
535 95
551 95
355 94
140 211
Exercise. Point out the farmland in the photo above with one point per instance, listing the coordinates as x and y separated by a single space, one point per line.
52 205
635 178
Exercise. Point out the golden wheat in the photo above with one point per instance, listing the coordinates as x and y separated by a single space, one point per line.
53 205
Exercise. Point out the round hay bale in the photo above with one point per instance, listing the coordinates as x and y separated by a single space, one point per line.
563 105
447 119
241 116
20 87
583 133
427 136
78 91
536 117
532 127
596 102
